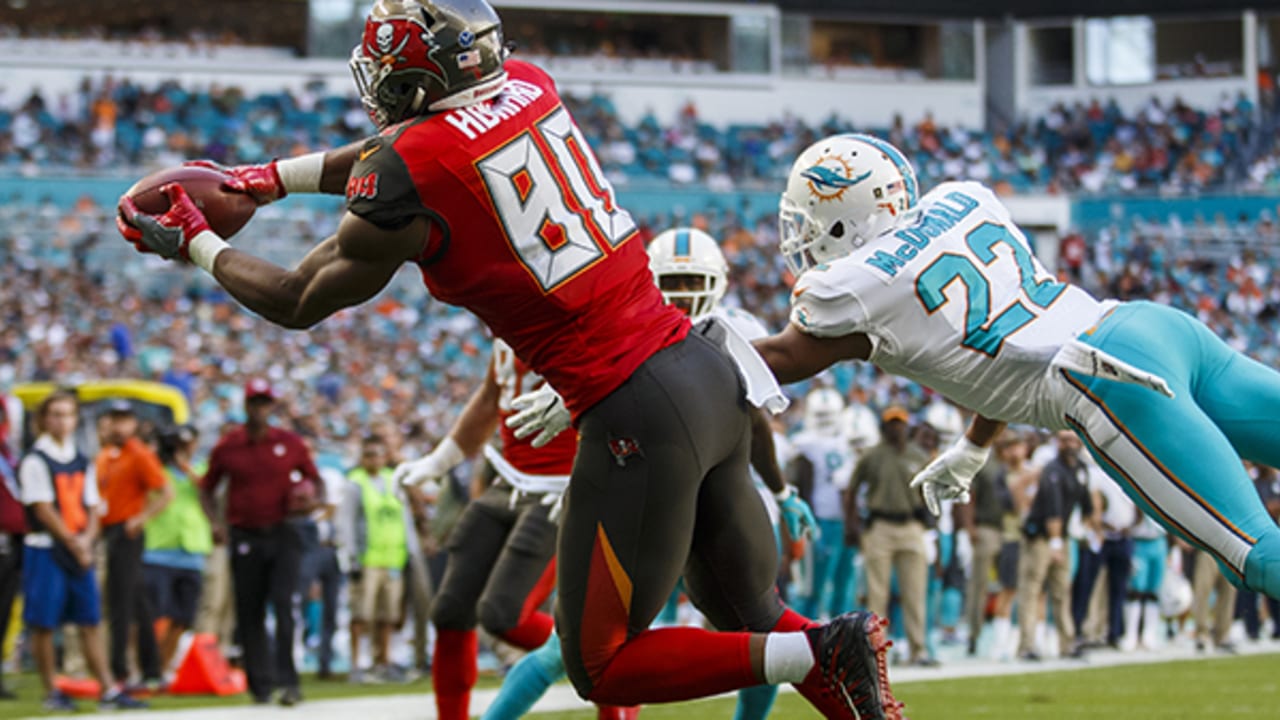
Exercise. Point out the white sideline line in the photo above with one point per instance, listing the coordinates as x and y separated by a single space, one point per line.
561 697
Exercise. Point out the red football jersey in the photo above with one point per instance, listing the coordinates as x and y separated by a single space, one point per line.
515 379
526 234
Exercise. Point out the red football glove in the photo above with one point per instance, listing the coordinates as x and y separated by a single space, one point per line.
168 235
260 182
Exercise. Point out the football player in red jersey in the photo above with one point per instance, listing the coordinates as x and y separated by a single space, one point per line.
481 178
501 553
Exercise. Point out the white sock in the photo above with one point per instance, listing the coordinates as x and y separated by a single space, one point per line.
1132 619
1001 631
787 658
1152 625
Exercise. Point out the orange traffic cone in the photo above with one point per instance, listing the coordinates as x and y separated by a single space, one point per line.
204 671
79 688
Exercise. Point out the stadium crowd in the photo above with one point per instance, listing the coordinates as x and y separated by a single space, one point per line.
1094 147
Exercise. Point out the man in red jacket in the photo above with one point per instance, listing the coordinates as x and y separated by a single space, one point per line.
262 466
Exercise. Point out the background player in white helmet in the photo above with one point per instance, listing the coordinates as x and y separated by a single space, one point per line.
859 423
692 273
944 290
821 464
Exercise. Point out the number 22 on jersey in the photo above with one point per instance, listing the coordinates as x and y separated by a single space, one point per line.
554 203
983 332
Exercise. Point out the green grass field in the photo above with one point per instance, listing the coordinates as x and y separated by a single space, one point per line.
1246 687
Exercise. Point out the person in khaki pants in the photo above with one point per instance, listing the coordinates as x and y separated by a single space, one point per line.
1043 557
895 535
1212 595
983 521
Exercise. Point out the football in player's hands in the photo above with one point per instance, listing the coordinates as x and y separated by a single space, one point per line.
226 212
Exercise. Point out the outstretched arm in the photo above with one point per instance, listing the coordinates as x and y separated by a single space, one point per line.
317 172
983 430
764 453
795 512
949 475
341 272
479 418
466 438
794 355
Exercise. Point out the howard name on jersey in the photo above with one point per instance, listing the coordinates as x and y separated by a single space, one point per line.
514 379
953 299
524 232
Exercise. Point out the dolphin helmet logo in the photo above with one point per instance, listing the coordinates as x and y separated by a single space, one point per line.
831 178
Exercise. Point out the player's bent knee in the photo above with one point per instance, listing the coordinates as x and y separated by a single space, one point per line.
451 613
497 616
585 667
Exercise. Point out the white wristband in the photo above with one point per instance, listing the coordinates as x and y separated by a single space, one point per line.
204 248
784 494
1055 543
301 174
972 456
450 453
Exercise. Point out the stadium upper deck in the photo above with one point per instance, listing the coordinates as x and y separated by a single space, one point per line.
814 58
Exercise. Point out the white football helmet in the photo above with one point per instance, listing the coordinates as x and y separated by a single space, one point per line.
822 410
860 426
842 192
690 270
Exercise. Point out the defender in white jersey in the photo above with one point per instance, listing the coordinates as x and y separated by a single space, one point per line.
821 465
944 290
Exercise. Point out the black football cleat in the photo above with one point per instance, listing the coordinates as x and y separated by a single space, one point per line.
851 666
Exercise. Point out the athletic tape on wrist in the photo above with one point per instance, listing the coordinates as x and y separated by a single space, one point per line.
205 248
301 174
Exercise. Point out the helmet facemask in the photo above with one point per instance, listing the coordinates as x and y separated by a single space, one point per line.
823 409
690 270
694 290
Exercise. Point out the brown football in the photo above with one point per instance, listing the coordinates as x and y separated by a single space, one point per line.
227 212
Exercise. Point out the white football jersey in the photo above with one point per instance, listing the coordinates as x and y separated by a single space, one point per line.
953 299
832 460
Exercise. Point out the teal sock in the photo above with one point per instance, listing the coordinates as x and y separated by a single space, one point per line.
527 681
312 612
754 703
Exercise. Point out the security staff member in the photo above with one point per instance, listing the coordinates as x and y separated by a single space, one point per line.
135 488
983 521
894 539
378 542
269 475
1043 554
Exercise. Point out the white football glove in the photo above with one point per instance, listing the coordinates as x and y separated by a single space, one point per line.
540 411
949 475
426 472
555 501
